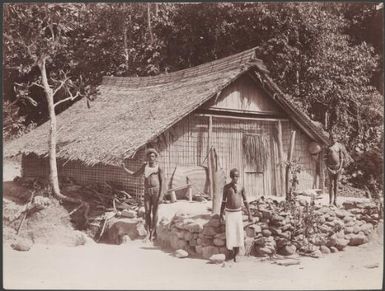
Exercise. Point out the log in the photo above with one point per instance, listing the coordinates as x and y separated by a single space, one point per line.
289 159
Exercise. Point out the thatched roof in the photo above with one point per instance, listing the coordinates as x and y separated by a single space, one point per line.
130 112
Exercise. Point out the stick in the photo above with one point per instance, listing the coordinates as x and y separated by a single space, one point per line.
26 212
104 226
102 231
76 209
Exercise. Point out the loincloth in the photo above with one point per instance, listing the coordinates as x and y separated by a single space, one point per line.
234 229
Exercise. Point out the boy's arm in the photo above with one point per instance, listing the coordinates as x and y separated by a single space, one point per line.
246 204
224 199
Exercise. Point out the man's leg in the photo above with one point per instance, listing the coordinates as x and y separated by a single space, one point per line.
236 251
147 210
330 188
335 188
155 206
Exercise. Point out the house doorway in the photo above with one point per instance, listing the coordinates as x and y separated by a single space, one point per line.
255 152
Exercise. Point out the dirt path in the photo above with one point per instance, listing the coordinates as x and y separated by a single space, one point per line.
138 265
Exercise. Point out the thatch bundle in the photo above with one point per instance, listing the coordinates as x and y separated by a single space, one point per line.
255 149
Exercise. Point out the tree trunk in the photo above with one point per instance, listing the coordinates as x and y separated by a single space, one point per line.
53 173
125 45
53 176
149 22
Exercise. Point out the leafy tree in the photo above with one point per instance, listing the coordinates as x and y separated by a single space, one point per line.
37 36
324 56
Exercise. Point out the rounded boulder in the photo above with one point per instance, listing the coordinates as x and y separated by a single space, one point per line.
217 259
181 253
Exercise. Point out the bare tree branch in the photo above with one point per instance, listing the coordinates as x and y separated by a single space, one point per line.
36 84
71 98
62 83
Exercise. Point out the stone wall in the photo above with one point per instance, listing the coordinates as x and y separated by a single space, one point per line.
278 228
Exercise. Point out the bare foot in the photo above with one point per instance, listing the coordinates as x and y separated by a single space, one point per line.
147 238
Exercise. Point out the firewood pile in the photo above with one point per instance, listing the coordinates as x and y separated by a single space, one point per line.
105 201
278 229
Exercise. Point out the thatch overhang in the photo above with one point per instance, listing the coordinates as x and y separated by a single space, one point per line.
130 112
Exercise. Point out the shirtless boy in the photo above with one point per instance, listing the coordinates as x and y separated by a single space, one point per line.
233 194
152 189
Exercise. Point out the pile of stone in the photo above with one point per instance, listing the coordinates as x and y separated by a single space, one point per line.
201 236
277 228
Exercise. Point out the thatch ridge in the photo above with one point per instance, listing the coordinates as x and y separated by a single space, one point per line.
129 112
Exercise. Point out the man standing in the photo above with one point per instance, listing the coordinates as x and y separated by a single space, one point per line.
337 157
153 180
233 195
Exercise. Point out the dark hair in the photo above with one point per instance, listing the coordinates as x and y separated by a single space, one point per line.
233 171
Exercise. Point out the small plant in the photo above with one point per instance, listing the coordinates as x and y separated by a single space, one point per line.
294 169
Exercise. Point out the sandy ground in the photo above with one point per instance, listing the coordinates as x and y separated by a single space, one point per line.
140 265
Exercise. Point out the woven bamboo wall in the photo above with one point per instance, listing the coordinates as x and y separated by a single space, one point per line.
34 166
188 147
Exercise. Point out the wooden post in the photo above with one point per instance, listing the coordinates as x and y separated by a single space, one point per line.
289 159
280 157
209 133
316 181
189 190
172 196
190 194
215 183
321 171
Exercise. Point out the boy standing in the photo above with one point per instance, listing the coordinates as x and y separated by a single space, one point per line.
232 203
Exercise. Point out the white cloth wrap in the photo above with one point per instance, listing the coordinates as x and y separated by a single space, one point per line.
234 229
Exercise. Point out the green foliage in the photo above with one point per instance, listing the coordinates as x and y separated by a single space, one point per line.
327 57
13 122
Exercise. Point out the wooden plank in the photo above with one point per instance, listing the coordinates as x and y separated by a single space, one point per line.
243 118
274 175
289 159
267 171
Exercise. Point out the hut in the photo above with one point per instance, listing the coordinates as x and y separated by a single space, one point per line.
230 104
